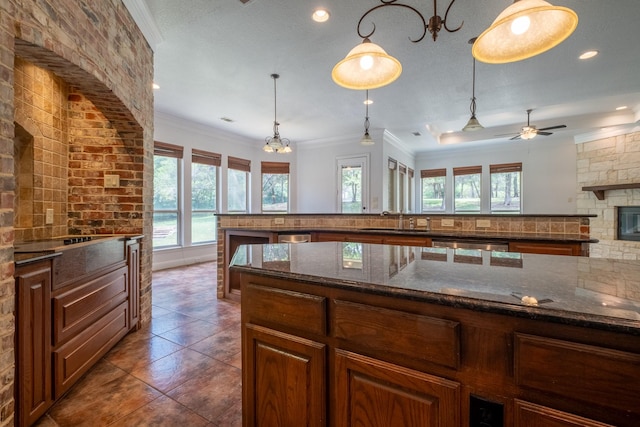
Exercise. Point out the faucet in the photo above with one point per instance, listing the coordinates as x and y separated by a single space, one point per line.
400 225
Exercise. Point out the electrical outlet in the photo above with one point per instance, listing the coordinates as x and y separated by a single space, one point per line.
48 216
422 222
447 222
111 181
483 223
278 221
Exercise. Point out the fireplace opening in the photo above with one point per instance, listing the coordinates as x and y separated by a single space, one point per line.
629 223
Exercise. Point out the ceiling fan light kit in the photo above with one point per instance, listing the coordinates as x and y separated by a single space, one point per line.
526 28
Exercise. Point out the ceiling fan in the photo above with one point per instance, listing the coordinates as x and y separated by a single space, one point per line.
529 131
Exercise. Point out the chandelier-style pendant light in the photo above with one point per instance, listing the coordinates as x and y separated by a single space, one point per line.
473 123
524 29
368 66
366 138
275 143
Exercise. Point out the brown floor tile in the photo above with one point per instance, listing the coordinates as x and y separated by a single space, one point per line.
132 353
190 333
173 370
223 346
92 402
163 412
169 321
211 393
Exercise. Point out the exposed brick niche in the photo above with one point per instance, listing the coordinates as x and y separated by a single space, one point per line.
609 161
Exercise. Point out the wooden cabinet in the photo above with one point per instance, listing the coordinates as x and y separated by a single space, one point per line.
343 357
33 342
549 248
71 309
133 271
284 380
370 392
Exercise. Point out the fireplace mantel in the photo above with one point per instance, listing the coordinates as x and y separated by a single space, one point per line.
599 190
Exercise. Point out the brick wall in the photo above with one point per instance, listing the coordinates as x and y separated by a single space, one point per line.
96 49
614 160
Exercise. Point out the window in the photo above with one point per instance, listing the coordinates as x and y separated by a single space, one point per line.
411 191
167 161
467 187
402 179
433 189
393 166
275 186
506 182
204 195
238 184
353 194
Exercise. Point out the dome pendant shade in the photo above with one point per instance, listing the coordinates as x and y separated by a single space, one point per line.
472 124
526 28
366 139
366 66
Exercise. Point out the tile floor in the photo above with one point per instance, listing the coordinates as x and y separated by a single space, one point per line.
181 370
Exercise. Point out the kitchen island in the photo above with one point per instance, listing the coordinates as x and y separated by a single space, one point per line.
346 333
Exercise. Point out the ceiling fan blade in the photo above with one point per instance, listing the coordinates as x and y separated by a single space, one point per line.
554 127
544 133
506 134
515 137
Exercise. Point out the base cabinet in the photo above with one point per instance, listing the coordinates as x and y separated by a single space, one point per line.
284 379
370 392
316 355
34 394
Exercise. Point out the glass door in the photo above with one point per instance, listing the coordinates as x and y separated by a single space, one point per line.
353 194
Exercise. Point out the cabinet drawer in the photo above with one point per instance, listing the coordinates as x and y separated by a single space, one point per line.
77 356
588 373
531 415
389 333
271 306
80 306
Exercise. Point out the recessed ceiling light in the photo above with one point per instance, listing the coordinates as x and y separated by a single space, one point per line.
416 133
320 15
588 54
622 107
226 119
449 131
155 86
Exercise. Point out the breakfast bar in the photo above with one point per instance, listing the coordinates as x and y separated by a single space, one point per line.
349 333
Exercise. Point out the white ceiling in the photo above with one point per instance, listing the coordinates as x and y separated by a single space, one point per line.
214 58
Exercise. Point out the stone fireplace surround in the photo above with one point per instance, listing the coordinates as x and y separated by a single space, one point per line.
609 161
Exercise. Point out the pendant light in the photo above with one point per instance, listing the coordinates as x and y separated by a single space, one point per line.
524 29
275 143
473 123
366 138
366 66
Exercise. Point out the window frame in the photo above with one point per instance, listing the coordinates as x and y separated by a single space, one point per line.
163 149
274 168
202 157
462 171
241 165
505 168
433 173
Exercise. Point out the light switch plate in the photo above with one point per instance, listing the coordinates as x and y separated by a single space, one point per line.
48 216
111 181
447 223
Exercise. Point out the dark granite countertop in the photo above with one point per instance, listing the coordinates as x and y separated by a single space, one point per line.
589 292
476 235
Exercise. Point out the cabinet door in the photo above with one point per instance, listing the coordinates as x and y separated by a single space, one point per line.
283 379
370 392
531 415
546 248
33 335
133 265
